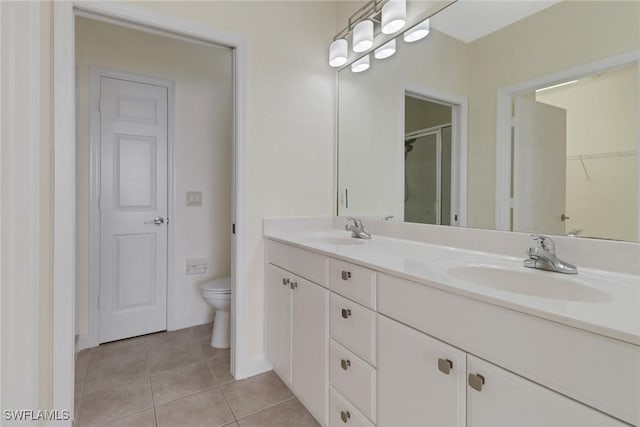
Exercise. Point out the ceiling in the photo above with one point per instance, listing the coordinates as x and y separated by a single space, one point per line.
469 20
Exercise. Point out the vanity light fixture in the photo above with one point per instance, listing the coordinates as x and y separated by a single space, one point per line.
394 16
418 32
338 52
363 36
361 64
386 50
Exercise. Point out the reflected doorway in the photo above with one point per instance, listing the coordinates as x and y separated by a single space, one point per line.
427 161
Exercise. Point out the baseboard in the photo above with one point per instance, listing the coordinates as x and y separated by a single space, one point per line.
187 322
253 367
84 342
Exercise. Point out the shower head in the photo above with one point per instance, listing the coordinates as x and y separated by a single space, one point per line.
408 145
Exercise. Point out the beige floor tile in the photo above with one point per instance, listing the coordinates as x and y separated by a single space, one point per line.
115 371
213 353
82 361
114 403
146 418
174 356
180 382
202 332
288 414
207 408
221 369
256 393
233 424
166 340
115 353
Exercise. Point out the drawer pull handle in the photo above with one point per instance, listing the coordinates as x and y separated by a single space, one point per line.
286 281
346 313
344 416
294 285
346 275
476 381
345 363
445 366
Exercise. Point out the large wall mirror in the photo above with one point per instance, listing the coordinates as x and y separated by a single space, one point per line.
509 115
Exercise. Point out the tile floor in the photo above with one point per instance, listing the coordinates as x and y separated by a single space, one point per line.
176 379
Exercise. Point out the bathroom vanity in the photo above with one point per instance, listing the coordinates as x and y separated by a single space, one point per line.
393 332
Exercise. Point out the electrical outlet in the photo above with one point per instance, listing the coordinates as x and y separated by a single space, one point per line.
196 266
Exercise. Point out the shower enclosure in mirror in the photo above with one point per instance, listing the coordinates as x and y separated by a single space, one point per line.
543 122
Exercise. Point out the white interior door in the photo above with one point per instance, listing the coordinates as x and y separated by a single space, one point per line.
133 193
539 167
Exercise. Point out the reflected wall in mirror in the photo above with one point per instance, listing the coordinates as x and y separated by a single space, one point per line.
567 163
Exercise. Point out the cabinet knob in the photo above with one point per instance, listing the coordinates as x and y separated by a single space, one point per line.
344 416
346 275
285 281
345 363
346 313
294 285
445 366
476 381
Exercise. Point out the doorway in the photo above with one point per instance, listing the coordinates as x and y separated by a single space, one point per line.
159 162
431 188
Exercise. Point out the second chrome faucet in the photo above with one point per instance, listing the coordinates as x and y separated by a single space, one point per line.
356 228
542 255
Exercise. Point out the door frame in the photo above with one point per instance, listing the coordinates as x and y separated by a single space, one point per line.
64 185
505 122
459 131
95 74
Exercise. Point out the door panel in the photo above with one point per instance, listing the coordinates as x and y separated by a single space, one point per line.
539 167
133 192
508 400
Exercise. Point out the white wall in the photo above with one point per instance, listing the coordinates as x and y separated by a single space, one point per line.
290 118
604 204
203 139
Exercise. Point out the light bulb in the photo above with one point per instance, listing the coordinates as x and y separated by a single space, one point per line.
418 32
338 53
394 16
360 65
386 50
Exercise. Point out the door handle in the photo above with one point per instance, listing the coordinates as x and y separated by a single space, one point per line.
156 221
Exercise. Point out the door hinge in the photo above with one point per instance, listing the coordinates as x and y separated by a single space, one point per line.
233 229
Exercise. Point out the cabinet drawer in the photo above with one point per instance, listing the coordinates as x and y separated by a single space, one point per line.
354 378
305 264
354 327
354 282
593 369
342 412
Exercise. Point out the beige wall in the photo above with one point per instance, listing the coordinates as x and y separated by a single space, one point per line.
290 122
532 48
203 105
420 114
604 204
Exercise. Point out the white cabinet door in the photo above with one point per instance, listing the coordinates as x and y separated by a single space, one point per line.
278 306
310 334
505 399
421 381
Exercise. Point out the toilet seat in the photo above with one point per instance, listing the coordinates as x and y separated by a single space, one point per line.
217 286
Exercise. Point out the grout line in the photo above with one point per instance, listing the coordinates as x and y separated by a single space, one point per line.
187 395
224 396
266 408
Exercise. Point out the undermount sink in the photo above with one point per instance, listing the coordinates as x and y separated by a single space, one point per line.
514 278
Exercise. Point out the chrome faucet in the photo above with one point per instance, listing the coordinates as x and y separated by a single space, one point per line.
543 256
356 228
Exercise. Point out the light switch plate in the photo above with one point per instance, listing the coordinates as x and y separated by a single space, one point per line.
194 198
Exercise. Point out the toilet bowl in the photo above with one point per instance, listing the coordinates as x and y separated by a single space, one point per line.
217 293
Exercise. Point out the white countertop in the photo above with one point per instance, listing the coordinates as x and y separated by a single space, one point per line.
611 308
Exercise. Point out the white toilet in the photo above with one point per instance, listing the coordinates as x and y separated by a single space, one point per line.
217 293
